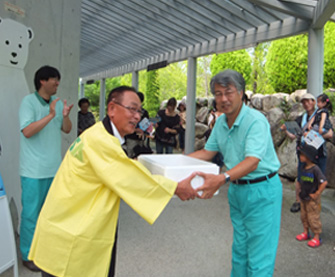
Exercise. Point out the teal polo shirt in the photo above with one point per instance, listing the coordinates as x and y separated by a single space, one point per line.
249 136
40 155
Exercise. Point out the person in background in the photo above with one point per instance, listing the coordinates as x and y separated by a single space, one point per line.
139 136
167 128
182 114
85 117
308 103
42 118
312 182
321 121
243 136
76 233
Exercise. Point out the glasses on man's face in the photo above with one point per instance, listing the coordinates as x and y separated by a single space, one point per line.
133 110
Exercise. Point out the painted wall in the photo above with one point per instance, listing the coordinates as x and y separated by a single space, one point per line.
33 33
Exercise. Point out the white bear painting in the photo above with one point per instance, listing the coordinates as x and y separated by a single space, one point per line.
14 49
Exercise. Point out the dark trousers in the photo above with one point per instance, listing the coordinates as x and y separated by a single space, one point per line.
111 272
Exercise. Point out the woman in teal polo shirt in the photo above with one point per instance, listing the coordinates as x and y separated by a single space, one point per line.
242 135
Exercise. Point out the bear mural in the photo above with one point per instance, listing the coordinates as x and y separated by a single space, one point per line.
14 48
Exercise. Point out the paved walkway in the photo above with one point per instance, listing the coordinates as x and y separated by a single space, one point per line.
193 239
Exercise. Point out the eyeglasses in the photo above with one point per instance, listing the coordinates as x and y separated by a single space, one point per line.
133 110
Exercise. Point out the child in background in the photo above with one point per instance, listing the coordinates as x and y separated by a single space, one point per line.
311 184
320 122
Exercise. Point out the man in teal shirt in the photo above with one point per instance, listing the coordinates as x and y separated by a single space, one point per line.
242 135
42 118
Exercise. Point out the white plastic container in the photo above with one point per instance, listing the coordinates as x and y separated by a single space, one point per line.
177 167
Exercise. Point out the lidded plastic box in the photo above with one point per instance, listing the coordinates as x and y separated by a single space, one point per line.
177 167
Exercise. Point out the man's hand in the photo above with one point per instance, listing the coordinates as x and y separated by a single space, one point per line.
66 109
211 184
52 107
184 189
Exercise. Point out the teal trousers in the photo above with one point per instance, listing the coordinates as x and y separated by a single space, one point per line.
255 212
34 192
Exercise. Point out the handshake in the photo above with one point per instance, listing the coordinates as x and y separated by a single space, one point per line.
211 184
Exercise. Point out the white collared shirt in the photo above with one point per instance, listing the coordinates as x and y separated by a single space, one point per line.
117 134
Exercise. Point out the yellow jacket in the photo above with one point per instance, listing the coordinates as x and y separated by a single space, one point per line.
75 231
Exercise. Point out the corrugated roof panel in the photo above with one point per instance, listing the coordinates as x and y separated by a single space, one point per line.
119 36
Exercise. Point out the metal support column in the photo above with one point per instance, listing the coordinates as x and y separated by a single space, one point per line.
134 79
82 89
315 61
190 105
102 101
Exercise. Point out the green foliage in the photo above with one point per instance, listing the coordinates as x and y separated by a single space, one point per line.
92 93
286 108
331 96
329 55
152 94
259 80
286 63
238 60
172 81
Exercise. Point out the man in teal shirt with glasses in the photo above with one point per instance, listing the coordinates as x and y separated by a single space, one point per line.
242 135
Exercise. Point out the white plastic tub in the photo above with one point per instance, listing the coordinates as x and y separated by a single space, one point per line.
177 167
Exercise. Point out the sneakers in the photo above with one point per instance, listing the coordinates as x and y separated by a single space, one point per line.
295 207
314 243
303 236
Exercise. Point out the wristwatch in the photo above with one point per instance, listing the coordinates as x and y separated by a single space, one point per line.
227 177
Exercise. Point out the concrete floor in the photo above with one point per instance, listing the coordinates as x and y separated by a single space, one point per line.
193 239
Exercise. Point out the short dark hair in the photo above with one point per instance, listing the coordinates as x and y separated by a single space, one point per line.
228 77
172 102
44 73
82 101
141 96
181 104
325 99
117 93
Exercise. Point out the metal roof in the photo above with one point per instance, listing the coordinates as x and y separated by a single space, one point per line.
122 36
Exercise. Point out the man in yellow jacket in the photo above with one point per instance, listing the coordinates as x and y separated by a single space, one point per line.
76 229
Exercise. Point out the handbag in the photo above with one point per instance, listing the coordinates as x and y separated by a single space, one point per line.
168 140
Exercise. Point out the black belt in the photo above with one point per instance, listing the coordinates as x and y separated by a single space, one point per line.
252 181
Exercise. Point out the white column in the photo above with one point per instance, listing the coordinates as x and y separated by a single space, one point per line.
134 79
190 105
82 89
315 61
102 98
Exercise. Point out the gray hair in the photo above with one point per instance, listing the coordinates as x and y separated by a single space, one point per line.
228 77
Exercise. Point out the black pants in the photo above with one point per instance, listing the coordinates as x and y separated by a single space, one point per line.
111 272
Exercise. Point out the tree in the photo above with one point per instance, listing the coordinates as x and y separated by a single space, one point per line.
152 94
286 63
259 79
203 76
239 60
329 55
172 81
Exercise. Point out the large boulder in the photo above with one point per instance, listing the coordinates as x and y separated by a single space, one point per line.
288 159
256 101
199 143
200 129
270 101
296 96
201 115
330 172
275 117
